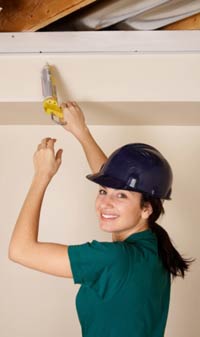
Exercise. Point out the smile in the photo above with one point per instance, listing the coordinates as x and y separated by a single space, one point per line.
109 216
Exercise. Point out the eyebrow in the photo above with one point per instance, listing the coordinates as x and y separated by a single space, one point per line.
103 186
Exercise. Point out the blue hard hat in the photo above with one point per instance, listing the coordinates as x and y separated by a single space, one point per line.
136 167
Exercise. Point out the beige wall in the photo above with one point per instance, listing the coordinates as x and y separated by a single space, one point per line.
36 304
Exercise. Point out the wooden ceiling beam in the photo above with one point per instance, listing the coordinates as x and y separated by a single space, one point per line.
22 15
193 22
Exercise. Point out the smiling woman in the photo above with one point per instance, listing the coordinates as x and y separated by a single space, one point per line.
125 284
119 212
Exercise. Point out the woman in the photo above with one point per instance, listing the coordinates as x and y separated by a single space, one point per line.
125 283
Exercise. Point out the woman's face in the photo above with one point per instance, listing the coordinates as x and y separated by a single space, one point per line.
120 210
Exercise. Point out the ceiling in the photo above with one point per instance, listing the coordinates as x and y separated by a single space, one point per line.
77 15
124 74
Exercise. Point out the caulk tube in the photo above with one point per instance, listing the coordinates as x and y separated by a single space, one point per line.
47 85
50 103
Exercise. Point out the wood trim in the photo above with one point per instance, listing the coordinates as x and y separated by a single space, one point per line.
21 16
193 22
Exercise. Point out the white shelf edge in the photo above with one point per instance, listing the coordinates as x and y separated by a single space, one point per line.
100 42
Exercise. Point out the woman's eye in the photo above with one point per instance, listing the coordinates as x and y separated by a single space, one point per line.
122 195
102 192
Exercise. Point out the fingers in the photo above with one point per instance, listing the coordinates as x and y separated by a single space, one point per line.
50 143
73 117
67 108
47 143
69 104
46 162
59 156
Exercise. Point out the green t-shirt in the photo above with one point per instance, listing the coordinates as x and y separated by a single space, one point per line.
125 289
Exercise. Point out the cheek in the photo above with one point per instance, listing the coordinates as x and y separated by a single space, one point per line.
131 213
97 203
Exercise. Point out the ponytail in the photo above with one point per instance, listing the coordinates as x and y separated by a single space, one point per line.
172 260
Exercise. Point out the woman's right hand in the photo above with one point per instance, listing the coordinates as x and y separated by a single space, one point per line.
74 119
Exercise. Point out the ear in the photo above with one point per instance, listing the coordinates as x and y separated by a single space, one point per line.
147 210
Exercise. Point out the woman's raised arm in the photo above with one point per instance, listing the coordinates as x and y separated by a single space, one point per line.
75 123
24 247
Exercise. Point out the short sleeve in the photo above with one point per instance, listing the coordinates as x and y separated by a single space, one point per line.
102 266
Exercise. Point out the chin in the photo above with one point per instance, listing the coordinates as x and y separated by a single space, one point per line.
106 227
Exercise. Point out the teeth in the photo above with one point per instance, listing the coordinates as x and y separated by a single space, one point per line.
109 216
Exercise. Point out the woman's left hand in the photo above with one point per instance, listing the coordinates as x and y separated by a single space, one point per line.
46 161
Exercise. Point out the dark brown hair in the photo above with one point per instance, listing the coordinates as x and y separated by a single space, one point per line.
172 260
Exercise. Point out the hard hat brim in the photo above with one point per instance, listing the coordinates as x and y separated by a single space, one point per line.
107 181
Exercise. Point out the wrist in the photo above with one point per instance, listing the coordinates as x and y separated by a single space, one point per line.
41 179
84 135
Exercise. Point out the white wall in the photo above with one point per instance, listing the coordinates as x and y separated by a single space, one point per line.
36 304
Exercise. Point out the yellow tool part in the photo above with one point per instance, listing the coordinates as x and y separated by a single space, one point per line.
51 106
